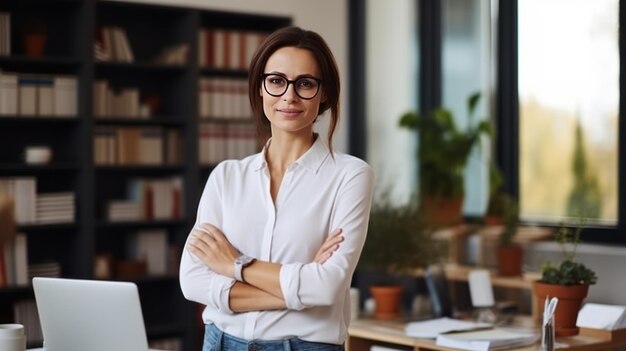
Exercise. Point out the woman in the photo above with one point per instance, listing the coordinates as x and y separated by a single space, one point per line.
278 234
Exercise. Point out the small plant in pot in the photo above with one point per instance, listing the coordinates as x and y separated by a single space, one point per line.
510 254
569 281
399 241
34 37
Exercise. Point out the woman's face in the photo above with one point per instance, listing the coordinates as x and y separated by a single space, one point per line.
289 112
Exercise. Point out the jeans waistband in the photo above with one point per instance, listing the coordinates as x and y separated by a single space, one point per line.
217 340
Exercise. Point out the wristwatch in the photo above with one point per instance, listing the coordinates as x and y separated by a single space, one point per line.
240 263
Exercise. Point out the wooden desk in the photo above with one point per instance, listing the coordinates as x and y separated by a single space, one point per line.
364 333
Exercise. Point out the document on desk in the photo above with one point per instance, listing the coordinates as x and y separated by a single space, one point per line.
430 329
487 340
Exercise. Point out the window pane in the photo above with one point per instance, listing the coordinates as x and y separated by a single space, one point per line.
466 69
569 99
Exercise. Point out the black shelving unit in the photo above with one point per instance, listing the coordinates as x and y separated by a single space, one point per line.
72 28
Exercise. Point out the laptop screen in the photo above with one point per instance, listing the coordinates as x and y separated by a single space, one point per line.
79 315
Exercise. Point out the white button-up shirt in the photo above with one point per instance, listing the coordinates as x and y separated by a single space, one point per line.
319 193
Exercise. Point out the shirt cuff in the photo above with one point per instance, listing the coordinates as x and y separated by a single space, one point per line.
290 285
220 293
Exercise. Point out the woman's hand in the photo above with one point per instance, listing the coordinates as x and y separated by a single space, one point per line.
329 246
209 244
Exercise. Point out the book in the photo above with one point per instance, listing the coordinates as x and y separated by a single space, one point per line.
8 93
487 340
65 96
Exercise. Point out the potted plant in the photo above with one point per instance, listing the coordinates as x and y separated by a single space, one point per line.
510 254
568 281
498 199
443 152
35 35
399 241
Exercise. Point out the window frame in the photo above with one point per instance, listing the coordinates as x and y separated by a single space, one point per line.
506 142
506 151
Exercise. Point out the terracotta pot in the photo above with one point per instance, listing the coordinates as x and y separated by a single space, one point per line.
510 261
494 220
387 300
443 211
570 300
34 44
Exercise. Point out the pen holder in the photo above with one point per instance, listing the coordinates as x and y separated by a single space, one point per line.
547 337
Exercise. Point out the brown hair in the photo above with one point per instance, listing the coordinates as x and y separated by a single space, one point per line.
302 39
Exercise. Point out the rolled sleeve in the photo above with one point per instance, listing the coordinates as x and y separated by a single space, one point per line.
220 292
290 285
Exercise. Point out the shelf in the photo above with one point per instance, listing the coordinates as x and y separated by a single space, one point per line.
137 67
15 292
141 224
39 64
22 168
170 90
39 120
460 273
131 121
37 228
139 169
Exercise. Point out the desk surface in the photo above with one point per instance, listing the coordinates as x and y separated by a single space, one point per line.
364 333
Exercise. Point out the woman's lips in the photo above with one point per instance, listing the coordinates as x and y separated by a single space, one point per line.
288 112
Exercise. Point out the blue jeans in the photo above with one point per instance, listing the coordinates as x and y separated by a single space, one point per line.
217 340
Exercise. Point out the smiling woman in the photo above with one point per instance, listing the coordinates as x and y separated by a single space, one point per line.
276 226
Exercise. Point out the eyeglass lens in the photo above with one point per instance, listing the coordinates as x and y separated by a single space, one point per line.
276 85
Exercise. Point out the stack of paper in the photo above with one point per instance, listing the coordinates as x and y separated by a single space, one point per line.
486 340
431 328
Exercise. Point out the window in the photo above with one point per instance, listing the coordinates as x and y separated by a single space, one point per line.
568 88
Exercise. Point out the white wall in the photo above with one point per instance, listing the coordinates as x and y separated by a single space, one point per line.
329 18
391 69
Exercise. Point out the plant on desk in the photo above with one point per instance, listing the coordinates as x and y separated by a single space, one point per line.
399 241
568 281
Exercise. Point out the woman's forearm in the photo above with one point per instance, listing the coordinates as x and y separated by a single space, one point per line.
264 276
245 298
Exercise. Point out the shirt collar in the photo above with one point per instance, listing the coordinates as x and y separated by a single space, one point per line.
311 160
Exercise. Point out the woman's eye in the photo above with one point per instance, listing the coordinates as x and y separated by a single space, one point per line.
277 81
306 83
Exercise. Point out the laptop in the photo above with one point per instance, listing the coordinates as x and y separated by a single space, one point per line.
94 315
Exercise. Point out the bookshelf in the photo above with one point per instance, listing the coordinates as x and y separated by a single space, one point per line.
134 87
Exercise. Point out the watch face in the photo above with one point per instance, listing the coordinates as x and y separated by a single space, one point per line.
244 260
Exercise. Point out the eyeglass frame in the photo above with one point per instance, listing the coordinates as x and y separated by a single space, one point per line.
293 82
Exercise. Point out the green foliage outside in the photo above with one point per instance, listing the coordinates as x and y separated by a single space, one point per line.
585 196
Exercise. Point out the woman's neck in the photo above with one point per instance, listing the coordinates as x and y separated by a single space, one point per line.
282 151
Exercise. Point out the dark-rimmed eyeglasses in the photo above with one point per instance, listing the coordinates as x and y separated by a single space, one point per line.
276 85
